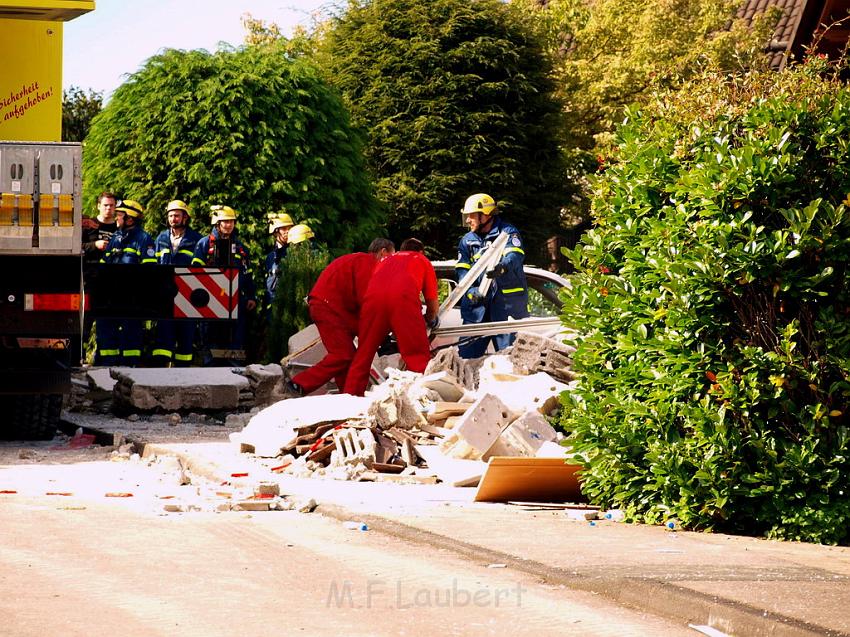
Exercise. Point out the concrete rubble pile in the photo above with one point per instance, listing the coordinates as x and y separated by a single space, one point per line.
442 425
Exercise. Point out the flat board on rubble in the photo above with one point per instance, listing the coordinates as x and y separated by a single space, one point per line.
529 480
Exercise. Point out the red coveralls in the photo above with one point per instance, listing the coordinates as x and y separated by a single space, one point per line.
334 304
392 304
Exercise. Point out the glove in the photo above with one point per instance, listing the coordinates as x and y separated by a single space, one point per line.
497 270
474 297
433 323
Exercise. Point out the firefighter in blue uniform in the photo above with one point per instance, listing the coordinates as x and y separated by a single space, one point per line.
223 249
175 246
119 341
279 225
508 293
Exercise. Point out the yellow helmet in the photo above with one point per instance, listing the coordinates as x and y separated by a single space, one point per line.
482 203
222 213
279 220
131 208
177 205
300 233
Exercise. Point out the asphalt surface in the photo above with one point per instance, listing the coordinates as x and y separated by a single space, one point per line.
736 585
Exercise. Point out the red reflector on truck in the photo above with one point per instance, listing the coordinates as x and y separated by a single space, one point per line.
52 302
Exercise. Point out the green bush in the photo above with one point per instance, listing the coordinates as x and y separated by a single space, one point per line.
714 312
455 99
250 128
289 314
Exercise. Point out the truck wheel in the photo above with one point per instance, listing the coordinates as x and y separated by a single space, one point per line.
30 417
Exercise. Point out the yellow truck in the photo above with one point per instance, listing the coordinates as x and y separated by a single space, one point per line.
41 293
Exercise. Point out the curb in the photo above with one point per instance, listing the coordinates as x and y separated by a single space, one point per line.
659 598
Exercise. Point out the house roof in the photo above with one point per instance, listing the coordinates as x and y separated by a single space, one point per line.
786 28
803 22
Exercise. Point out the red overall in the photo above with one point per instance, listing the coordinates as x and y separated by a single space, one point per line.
392 304
334 305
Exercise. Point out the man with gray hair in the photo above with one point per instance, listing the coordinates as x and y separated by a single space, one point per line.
334 304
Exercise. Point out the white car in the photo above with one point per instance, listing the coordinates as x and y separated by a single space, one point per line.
544 308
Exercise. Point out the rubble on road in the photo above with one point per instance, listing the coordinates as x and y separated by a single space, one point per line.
443 425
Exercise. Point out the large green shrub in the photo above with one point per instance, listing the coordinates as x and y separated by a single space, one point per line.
249 127
455 98
713 306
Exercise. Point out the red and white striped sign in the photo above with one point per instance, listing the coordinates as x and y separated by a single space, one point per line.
206 293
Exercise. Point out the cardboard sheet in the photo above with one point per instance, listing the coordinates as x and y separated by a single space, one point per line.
529 480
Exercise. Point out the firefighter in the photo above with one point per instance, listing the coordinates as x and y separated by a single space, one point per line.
299 234
223 249
175 246
391 303
334 304
119 341
508 293
279 225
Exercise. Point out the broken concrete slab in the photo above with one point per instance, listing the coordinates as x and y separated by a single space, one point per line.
275 427
446 385
207 388
523 437
101 379
453 471
266 383
477 430
539 392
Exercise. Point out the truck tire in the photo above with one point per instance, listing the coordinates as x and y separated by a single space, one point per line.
30 417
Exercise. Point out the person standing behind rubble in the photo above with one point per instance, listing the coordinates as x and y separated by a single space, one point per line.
175 246
119 341
279 225
334 303
223 249
508 294
392 303
96 235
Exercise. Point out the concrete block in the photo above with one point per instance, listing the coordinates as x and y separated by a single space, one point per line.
536 353
477 430
538 392
523 437
354 446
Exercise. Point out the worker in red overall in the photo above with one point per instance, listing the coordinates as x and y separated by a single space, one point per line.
334 304
392 304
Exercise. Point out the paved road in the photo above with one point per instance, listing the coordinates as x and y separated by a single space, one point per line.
89 565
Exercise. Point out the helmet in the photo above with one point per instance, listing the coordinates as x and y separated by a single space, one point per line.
280 220
300 233
482 203
177 205
222 213
131 208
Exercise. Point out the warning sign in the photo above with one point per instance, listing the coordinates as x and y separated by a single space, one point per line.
206 293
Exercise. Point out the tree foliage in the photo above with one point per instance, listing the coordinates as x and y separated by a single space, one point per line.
78 110
455 99
714 314
613 53
246 127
